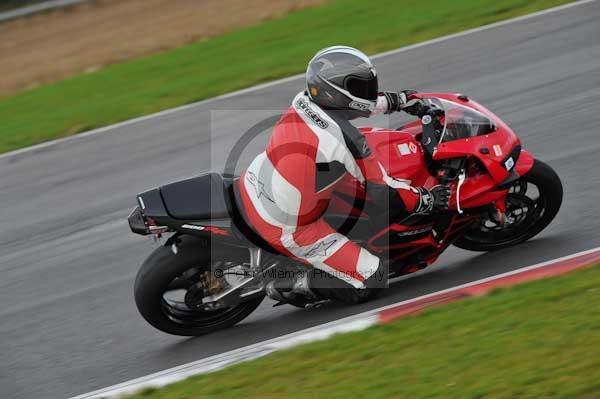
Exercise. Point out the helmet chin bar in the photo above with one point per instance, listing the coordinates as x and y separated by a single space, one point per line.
360 104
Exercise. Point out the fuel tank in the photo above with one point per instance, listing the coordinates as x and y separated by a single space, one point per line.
399 153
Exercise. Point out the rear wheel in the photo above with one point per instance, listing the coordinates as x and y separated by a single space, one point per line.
531 204
168 286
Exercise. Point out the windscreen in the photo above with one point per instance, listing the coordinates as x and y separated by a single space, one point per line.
460 122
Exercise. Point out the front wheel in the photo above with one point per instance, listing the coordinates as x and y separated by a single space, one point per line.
531 204
165 290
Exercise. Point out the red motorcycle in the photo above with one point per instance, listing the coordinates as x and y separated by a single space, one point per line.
213 271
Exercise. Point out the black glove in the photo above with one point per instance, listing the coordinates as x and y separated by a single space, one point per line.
416 108
434 200
397 100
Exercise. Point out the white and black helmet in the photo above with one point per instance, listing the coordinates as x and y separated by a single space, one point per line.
342 78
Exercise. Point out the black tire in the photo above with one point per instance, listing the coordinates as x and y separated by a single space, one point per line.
163 267
546 206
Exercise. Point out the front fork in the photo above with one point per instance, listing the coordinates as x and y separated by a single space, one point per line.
499 213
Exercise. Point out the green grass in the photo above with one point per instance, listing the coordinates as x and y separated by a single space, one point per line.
239 59
537 340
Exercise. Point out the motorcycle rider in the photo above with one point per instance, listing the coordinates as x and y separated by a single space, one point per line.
286 189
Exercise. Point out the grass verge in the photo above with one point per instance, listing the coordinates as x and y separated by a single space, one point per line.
537 340
239 59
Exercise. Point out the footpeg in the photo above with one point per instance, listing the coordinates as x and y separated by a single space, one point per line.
316 305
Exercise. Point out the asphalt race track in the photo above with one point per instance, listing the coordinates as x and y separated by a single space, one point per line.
67 260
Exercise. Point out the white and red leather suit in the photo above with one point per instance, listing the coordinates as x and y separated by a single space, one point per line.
287 188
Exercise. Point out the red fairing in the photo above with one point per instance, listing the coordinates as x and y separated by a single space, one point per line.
499 144
402 155
525 163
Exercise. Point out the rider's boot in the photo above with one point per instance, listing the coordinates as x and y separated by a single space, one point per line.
295 291
328 286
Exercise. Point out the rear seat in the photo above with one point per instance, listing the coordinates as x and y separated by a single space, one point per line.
202 197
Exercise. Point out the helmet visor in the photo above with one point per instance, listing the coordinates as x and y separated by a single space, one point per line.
362 87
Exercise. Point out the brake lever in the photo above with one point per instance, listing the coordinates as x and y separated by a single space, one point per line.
461 180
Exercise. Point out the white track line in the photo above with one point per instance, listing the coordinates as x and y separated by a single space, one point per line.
250 352
37 8
352 323
288 79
